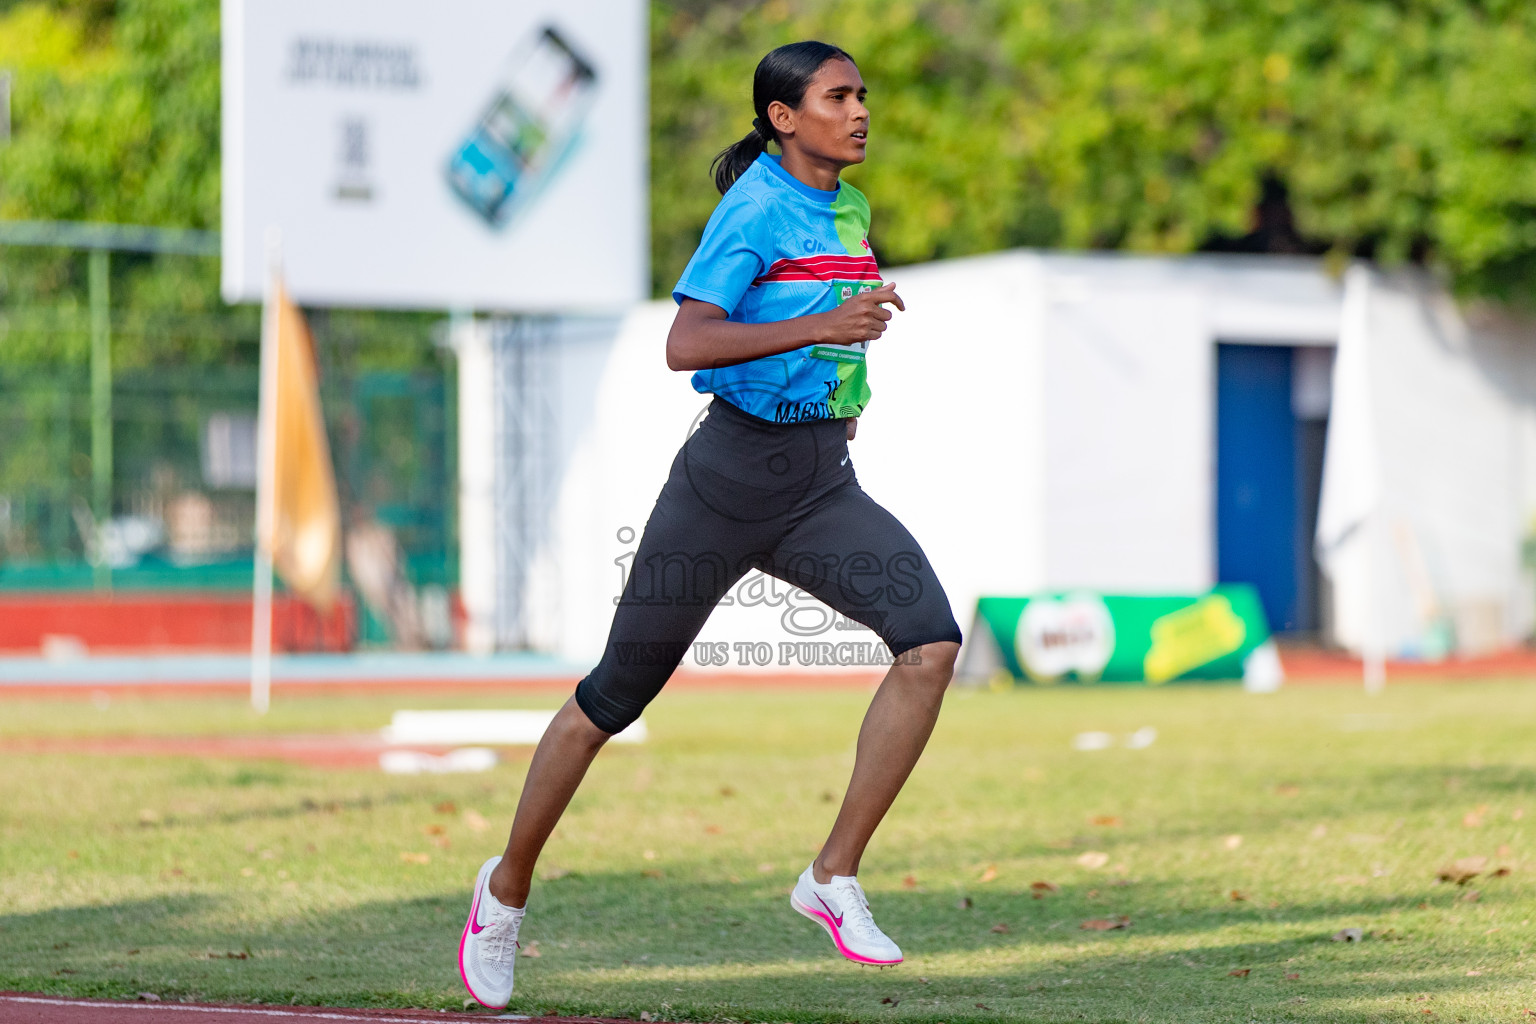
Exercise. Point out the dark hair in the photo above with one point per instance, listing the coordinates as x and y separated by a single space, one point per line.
783 75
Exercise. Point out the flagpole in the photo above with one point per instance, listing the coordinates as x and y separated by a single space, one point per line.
1373 525
266 479
1373 658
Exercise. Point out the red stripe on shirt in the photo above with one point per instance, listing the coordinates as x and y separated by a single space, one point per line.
823 268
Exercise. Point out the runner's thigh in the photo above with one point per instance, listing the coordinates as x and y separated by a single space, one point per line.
859 559
689 556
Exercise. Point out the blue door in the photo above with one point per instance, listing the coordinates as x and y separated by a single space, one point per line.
1256 472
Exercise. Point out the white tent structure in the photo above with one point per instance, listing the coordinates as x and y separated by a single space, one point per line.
1050 421
1427 496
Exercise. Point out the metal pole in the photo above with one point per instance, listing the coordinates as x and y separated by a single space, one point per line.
451 460
1374 655
266 484
101 405
118 237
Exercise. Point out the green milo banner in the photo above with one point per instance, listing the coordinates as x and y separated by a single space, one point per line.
1086 637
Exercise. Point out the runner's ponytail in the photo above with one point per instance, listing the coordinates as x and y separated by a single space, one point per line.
733 160
782 76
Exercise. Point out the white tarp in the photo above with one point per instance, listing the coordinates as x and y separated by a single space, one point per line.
1349 512
1424 506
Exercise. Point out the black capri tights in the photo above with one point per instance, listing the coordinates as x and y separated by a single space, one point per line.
747 494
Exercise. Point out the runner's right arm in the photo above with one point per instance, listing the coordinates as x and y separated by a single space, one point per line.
702 338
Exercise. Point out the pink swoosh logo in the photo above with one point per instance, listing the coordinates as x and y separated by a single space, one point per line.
475 927
837 919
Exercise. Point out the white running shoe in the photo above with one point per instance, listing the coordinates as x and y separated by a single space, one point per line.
488 948
842 909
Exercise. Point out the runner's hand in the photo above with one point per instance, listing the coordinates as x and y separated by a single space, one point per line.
861 317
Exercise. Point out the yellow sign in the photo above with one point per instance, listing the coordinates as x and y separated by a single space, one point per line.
1193 636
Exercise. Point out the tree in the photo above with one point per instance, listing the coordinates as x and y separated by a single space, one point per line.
1398 129
116 119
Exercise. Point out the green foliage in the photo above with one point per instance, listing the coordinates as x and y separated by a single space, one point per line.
123 130
115 119
1400 129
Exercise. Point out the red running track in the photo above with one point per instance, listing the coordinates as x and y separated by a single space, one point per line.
24 1008
343 751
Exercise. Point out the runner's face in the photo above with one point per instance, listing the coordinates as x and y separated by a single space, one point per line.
832 123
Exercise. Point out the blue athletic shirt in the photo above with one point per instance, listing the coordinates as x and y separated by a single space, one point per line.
775 249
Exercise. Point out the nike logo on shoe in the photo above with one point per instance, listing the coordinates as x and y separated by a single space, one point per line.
475 927
837 919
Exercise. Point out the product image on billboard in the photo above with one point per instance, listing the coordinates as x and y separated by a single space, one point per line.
527 130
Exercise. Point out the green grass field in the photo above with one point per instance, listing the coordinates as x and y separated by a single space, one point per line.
1252 830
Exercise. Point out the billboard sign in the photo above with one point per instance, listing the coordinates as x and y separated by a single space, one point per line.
1087 637
471 154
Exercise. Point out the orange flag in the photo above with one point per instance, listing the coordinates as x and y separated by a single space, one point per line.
305 536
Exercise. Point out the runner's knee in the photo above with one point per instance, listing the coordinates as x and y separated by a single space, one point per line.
927 668
610 705
936 662
573 724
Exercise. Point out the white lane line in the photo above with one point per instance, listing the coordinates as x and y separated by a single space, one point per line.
218 1009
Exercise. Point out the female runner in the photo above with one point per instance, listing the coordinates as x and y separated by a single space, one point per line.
775 312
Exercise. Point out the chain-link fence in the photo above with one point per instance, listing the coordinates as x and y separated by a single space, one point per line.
181 505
